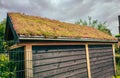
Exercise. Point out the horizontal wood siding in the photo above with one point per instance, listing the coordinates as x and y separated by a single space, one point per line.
101 61
59 62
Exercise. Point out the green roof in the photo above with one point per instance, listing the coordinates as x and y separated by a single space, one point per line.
34 26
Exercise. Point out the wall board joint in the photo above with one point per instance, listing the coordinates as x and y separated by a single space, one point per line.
88 60
28 61
113 47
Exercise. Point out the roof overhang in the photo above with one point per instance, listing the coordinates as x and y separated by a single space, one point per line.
30 39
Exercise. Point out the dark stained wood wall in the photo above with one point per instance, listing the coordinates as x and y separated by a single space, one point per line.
59 62
101 61
70 61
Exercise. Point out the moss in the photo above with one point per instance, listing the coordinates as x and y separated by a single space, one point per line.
33 25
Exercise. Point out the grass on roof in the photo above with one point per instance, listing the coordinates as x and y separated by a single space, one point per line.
38 26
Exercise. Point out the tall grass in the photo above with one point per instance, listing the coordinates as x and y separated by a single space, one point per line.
118 69
118 64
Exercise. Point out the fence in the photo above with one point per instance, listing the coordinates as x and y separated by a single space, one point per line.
11 61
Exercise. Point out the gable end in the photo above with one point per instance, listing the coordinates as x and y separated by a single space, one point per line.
10 33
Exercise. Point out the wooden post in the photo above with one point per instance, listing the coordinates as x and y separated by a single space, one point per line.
88 60
28 61
113 47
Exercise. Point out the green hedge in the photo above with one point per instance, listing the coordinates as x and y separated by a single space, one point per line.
7 68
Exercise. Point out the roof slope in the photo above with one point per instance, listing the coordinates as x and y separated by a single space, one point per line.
37 26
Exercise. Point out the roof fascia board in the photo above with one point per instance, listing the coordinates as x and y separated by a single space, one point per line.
16 37
70 40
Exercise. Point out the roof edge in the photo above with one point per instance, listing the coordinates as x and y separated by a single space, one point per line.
67 39
16 37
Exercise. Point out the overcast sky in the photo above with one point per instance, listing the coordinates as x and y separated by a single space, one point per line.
66 10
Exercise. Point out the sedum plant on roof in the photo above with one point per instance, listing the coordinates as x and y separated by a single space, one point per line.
38 26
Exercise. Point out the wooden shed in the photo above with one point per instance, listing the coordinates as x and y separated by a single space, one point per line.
53 49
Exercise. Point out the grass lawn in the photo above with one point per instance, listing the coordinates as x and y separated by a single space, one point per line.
118 69
117 65
117 55
116 77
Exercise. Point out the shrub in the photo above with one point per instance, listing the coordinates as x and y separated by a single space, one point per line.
7 68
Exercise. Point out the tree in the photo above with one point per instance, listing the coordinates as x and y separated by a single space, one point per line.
94 23
2 29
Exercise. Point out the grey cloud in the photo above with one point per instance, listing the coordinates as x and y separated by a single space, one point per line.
62 10
15 6
66 10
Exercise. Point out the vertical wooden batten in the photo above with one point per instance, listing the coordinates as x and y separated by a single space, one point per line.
88 60
113 48
28 61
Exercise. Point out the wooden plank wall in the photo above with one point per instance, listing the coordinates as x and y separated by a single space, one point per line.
101 61
59 62
70 61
